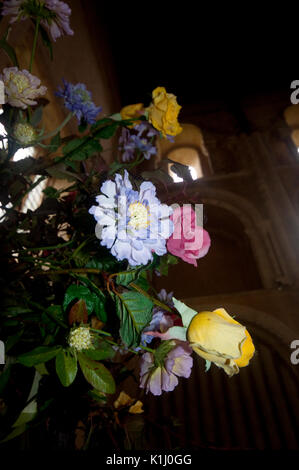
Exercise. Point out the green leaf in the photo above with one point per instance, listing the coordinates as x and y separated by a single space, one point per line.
78 292
37 116
4 378
78 313
208 365
103 351
55 142
107 132
15 433
81 149
51 192
99 308
9 51
135 313
12 340
97 374
38 355
124 278
186 312
46 40
66 367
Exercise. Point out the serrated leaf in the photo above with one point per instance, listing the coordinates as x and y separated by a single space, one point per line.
135 313
81 149
96 374
124 278
66 367
78 313
38 355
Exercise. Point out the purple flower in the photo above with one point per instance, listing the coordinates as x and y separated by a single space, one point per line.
166 298
160 322
164 377
54 14
131 143
78 100
132 224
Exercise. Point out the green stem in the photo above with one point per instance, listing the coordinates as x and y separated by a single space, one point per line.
101 332
58 129
56 247
34 44
72 270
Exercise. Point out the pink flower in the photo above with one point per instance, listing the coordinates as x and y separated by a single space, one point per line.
164 377
188 241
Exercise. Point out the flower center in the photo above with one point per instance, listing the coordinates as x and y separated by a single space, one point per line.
20 81
139 216
25 133
80 338
83 95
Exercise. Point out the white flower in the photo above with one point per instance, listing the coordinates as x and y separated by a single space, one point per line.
80 338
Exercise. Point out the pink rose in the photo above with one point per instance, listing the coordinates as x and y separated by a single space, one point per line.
188 241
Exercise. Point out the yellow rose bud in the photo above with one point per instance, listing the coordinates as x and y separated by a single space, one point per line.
220 339
163 112
132 111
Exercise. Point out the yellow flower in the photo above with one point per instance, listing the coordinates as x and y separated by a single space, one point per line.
220 339
163 112
132 111
136 409
125 400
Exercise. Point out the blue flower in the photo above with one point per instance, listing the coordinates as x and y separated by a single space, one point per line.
132 224
141 142
78 100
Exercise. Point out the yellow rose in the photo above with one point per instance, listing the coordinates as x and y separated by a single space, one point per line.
132 111
163 112
220 339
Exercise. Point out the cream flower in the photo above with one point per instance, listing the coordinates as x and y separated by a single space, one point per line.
24 133
80 338
21 88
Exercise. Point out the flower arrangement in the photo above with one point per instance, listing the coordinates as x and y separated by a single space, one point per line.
77 293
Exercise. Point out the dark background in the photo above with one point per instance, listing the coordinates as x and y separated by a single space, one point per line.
220 54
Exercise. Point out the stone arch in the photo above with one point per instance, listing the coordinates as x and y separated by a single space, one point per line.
191 138
262 241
